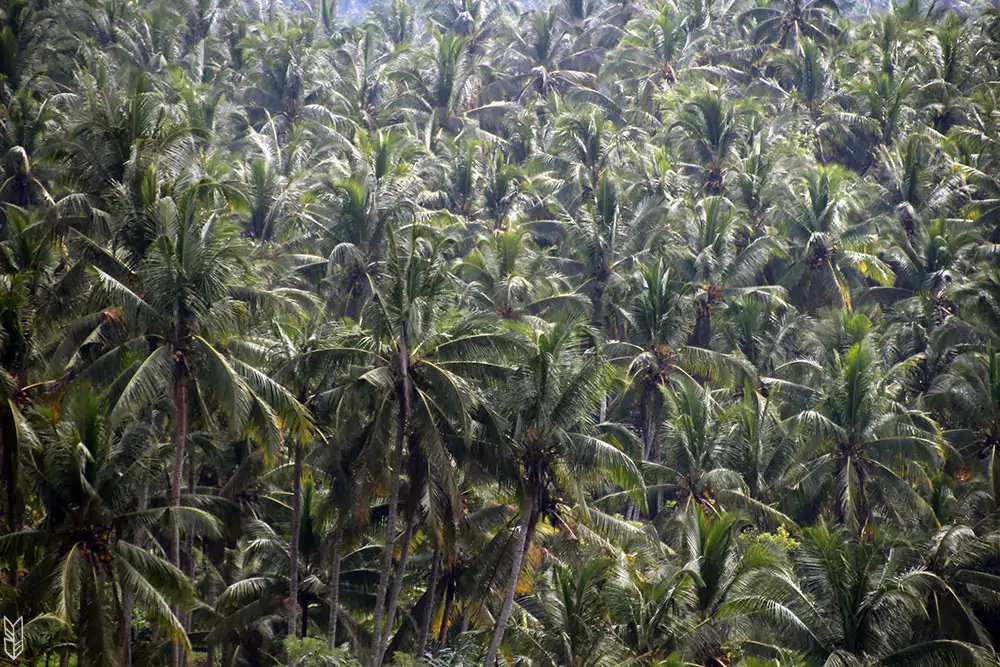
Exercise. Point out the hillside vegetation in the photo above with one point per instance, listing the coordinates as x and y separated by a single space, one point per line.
587 334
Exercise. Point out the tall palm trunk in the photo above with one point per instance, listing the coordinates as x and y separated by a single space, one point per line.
189 541
209 654
652 407
128 606
13 504
293 551
425 622
702 334
331 634
304 625
397 585
523 541
82 652
449 603
385 565
180 436
128 595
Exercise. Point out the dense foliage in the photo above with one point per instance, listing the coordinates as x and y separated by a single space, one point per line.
601 333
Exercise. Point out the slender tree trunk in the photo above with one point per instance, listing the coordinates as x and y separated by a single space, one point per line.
644 420
12 510
523 540
652 444
293 551
128 596
210 644
466 621
189 543
657 457
632 510
385 566
397 584
180 436
600 285
425 622
128 605
81 622
449 602
702 334
331 634
304 626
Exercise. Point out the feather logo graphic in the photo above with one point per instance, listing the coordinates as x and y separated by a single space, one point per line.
13 637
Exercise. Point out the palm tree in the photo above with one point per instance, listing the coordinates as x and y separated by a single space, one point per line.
965 396
925 261
23 123
585 145
645 59
857 604
759 185
475 19
417 361
282 72
376 188
882 103
292 354
567 616
833 251
711 260
792 20
763 331
384 317
23 50
960 608
610 237
115 131
28 265
918 193
711 130
864 447
544 59
278 189
722 571
658 317
807 77
649 602
759 449
86 549
694 435
978 305
553 447
192 277
443 85
949 74
510 278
